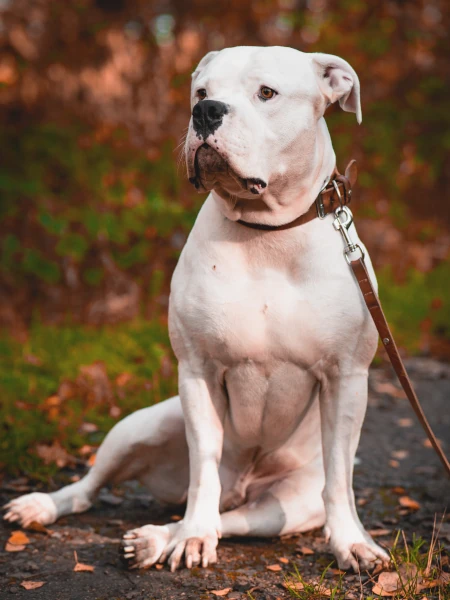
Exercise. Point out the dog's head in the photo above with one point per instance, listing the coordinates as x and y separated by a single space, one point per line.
256 113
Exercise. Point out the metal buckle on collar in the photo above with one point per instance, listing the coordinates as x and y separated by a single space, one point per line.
342 222
320 207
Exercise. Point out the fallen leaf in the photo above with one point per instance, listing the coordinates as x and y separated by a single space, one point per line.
362 501
400 454
442 580
394 464
54 454
18 538
427 444
86 449
406 422
91 460
13 548
223 592
320 591
52 401
408 502
336 571
175 518
159 566
273 567
115 412
35 526
379 532
390 389
398 490
33 360
32 585
390 583
88 428
123 379
296 586
81 566
306 551
283 560
387 585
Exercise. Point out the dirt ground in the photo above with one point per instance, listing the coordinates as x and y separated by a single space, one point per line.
392 455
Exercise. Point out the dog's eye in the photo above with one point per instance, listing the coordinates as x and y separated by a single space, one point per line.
201 94
266 93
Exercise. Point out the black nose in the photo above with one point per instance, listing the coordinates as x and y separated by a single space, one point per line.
207 116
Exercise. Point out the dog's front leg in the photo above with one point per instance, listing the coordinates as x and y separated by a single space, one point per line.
204 405
343 401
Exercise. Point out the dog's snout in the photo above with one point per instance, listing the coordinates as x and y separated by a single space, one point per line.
207 116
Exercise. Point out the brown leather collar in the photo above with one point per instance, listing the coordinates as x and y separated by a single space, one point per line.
338 191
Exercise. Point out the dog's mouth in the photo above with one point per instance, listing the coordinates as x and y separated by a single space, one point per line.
213 171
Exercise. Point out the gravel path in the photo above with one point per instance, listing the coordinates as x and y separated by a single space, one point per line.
393 462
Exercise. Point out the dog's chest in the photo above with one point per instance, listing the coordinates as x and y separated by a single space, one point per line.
235 311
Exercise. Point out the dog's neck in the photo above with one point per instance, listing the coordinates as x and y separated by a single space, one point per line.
289 196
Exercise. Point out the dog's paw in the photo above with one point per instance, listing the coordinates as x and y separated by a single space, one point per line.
197 548
145 546
36 507
355 549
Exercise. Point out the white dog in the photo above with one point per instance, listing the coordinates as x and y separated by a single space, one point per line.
270 330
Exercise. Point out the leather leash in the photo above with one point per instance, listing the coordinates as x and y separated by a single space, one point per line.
333 198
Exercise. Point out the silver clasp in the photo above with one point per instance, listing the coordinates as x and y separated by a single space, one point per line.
342 222
319 204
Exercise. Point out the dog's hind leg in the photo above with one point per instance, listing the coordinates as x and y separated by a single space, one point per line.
290 505
136 446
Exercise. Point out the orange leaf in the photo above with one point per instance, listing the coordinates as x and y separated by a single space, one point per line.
305 550
408 502
400 454
35 526
32 585
273 567
12 548
91 460
52 401
80 566
123 379
18 538
86 449
284 560
223 592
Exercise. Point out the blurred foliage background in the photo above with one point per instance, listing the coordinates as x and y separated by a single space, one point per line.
95 206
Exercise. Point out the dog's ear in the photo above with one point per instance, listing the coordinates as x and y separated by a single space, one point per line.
338 81
205 60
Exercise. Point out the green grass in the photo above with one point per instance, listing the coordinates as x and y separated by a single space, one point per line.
417 305
420 570
32 372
